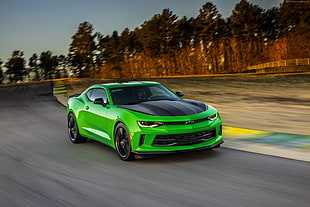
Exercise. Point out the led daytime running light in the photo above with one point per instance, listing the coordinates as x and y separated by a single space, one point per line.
213 117
151 124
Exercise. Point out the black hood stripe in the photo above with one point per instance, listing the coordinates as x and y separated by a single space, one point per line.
167 107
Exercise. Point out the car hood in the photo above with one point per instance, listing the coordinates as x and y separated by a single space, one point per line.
167 107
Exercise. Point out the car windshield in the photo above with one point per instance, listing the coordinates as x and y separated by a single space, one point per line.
138 94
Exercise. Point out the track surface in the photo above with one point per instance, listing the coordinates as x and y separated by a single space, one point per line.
40 167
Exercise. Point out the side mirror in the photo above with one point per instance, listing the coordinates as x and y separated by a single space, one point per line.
180 93
100 101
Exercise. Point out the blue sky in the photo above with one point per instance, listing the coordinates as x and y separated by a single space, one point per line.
34 26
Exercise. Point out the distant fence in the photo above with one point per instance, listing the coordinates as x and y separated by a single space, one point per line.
281 63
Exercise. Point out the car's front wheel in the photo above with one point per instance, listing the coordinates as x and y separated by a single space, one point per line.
122 143
73 130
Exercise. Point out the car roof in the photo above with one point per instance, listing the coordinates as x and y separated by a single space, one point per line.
125 84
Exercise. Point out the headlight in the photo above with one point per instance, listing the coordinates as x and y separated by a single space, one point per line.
213 117
150 124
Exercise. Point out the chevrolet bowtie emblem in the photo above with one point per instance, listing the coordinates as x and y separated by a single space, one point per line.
189 122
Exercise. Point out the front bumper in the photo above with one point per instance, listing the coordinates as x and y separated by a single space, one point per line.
180 138
216 145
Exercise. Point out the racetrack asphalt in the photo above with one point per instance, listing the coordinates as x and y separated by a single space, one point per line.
39 166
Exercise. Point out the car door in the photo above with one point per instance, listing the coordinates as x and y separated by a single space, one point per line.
96 115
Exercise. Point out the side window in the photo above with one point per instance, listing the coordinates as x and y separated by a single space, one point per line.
97 93
88 94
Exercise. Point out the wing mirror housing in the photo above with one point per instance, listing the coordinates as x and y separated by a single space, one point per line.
180 93
100 101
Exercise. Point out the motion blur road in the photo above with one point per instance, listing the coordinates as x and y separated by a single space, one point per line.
39 166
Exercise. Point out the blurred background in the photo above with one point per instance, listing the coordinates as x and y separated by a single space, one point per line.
270 36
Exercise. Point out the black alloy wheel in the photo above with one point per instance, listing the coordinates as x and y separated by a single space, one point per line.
122 143
73 130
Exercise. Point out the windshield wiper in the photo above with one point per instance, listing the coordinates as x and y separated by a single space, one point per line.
163 99
130 103
137 102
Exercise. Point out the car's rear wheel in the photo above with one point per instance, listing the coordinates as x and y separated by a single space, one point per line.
73 130
122 143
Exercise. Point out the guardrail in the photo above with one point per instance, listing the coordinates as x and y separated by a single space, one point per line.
281 63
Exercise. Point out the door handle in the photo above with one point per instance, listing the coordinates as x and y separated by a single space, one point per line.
87 107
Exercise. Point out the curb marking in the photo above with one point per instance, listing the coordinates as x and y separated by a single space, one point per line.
240 133
59 88
265 137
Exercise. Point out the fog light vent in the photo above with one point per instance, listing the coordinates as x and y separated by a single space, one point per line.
142 137
220 130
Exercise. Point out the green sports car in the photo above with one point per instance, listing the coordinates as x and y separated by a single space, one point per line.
142 118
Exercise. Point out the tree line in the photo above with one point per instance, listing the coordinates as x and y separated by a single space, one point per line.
169 45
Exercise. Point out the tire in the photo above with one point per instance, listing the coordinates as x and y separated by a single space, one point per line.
122 143
73 131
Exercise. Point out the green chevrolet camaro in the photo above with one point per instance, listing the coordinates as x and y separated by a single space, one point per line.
142 118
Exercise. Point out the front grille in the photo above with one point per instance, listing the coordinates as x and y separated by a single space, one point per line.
187 122
184 139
